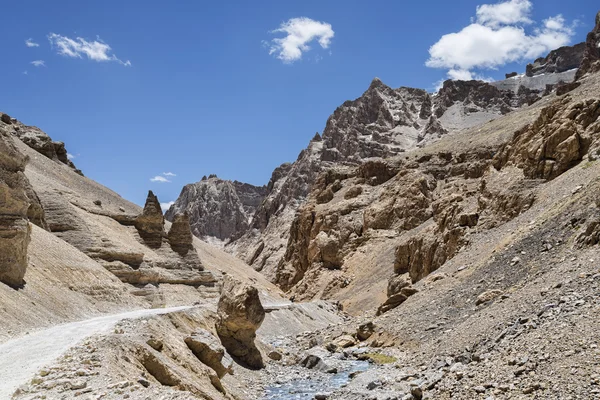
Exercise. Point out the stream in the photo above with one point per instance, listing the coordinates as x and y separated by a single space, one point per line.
302 388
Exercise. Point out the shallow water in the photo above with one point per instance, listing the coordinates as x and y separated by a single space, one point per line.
302 389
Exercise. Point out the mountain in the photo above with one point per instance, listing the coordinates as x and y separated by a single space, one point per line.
458 261
219 209
382 123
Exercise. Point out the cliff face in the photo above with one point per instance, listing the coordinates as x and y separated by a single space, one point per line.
218 208
14 203
591 55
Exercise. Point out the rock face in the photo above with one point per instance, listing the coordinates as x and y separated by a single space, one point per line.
150 224
591 54
180 235
559 60
218 208
556 141
240 314
14 204
42 143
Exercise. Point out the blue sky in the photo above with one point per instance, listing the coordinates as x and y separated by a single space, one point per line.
194 88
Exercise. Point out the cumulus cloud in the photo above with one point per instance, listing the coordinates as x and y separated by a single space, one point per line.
160 179
169 174
497 37
38 63
300 32
95 50
506 13
166 206
30 43
70 156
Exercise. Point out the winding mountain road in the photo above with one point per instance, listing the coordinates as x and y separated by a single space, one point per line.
21 358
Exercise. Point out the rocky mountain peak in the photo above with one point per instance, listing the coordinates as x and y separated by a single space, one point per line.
218 208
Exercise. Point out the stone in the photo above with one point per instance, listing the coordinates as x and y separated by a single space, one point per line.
240 314
488 296
275 355
365 331
15 230
144 382
150 224
479 389
208 350
344 341
315 361
180 235
6 119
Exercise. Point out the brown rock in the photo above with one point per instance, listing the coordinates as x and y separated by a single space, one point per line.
209 351
180 235
240 314
150 224
344 341
14 204
364 331
555 142
488 296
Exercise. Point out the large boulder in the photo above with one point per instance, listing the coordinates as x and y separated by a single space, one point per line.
180 235
209 351
240 314
14 204
150 223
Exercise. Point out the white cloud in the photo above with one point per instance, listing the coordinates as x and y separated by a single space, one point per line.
169 174
95 50
160 178
38 63
30 43
299 33
25 73
498 37
70 156
166 206
505 13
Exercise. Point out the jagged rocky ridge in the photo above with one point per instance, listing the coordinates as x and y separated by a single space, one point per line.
39 141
